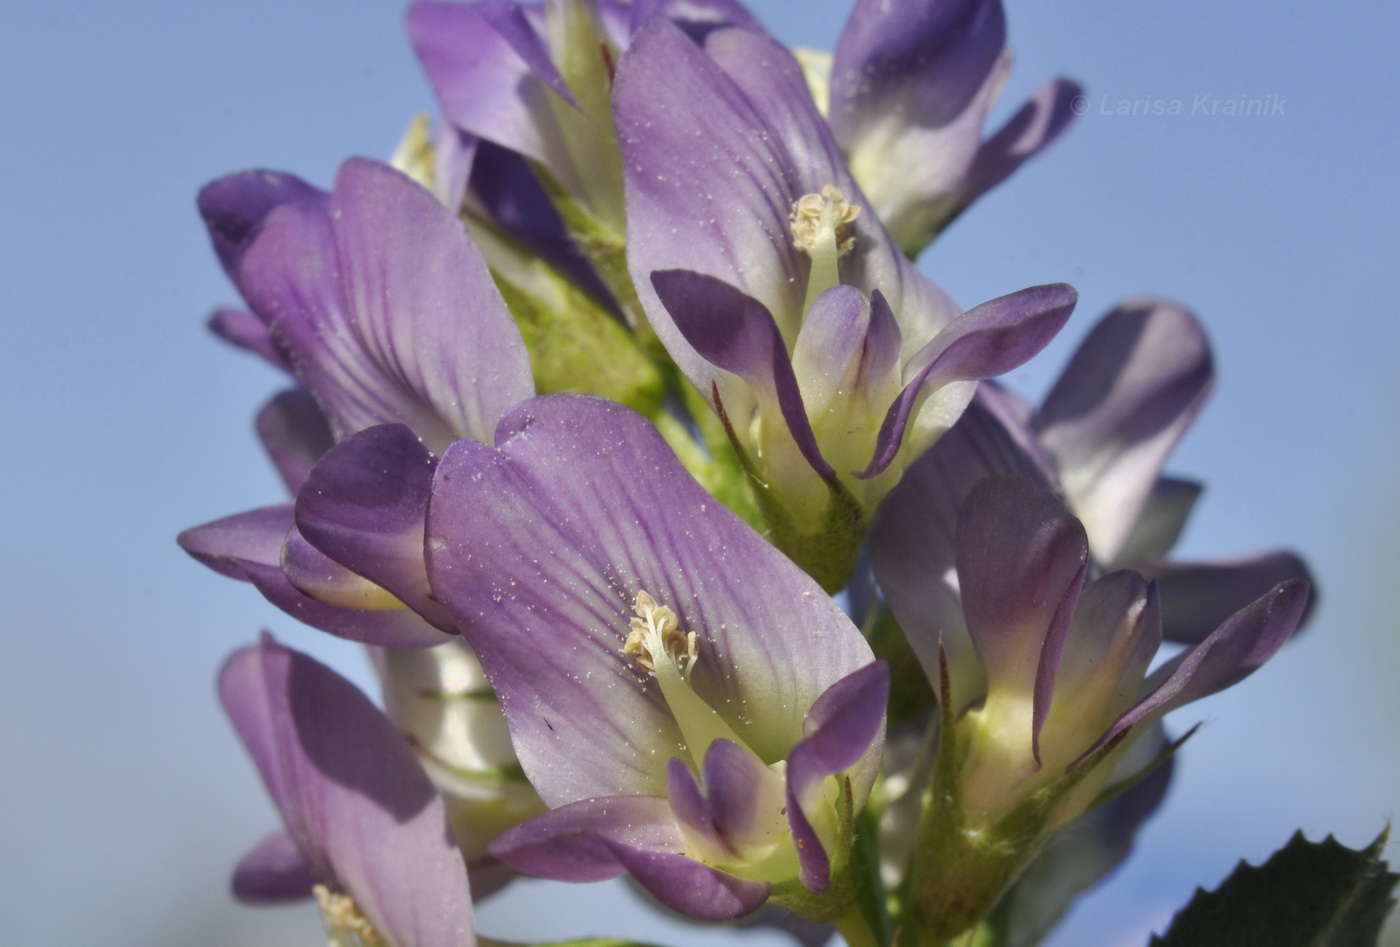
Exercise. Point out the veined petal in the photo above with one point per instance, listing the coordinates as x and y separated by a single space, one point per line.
540 548
387 309
1159 525
1127 396
351 794
492 75
234 208
365 505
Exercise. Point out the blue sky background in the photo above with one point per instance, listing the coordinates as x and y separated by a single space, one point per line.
124 798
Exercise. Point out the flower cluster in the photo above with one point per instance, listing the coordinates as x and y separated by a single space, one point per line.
600 390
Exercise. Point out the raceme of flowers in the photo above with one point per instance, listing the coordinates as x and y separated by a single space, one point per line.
600 390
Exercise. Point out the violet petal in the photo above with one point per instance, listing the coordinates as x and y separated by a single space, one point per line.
388 309
571 843
1031 130
1021 562
351 793
736 332
1198 596
986 341
235 206
845 729
251 334
365 506
1231 653
540 547
1120 406
274 872
294 432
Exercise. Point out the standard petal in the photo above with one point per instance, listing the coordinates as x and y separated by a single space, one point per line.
351 794
539 549
365 505
484 84
275 871
1120 406
388 310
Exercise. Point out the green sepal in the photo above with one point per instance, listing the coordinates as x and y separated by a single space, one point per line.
1308 894
577 346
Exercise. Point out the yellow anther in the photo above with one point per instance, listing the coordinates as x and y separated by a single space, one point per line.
343 922
655 634
820 220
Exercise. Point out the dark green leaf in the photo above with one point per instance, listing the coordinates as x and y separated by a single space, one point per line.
1309 894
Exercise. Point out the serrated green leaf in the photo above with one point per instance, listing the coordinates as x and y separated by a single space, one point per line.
1308 894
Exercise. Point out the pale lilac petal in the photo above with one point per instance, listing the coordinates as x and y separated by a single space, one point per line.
365 506
745 799
1021 560
845 729
1198 596
910 87
1031 130
539 549
1160 523
388 310
275 871
229 544
986 341
351 794
251 334
689 805
484 84
735 332
1231 653
697 18
1127 396
572 843
248 547
695 890
294 432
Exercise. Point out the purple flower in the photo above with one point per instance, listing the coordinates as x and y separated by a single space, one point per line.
830 359
909 88
377 301
364 828
1100 441
1053 689
689 704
